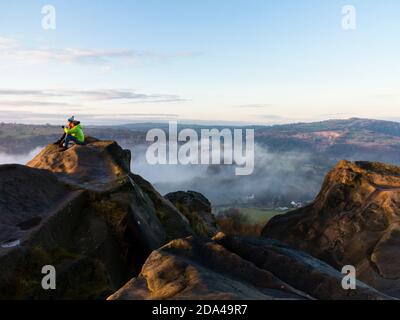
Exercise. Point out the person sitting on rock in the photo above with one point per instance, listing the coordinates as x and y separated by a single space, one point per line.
73 132
60 142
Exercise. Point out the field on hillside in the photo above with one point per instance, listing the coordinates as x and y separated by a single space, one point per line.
254 215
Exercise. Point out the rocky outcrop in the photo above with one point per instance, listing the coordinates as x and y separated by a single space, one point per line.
84 212
197 209
98 166
236 268
355 220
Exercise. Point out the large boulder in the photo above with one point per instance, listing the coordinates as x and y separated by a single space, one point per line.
174 222
236 268
45 222
84 212
28 197
355 220
197 209
103 167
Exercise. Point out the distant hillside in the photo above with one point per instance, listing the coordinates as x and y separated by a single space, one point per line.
331 136
353 138
21 138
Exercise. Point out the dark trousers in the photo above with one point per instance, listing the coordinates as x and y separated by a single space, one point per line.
69 138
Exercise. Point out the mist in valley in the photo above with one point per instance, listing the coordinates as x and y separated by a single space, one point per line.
6 158
278 177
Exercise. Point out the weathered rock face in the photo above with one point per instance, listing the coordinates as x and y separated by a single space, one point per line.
197 209
355 220
48 223
237 268
97 166
28 196
175 224
84 212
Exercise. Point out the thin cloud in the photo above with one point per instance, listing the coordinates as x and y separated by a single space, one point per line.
11 49
29 103
122 95
80 56
270 117
124 115
13 116
7 43
16 92
255 106
92 95
338 114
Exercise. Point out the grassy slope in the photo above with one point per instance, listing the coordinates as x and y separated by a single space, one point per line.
255 215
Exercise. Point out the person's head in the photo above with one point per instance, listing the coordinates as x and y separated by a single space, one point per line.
72 122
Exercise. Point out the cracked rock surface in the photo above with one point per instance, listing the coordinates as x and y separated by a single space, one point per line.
355 220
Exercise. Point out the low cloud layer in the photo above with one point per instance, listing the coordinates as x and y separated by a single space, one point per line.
278 178
6 158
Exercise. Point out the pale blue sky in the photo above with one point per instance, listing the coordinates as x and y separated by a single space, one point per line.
251 61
